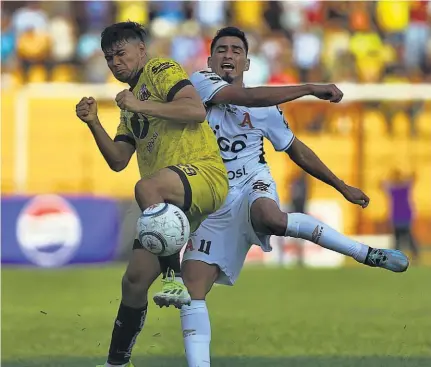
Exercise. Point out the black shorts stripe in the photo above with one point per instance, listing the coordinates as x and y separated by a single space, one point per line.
187 188
176 88
126 138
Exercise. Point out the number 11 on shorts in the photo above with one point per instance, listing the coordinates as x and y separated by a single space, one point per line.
205 247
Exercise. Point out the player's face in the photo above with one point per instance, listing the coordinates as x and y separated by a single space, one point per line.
229 59
125 59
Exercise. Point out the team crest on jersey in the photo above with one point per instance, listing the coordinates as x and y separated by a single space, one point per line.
246 121
144 93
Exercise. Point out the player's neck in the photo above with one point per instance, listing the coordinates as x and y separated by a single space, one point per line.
135 79
238 81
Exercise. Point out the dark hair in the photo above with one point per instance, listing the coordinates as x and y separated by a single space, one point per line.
122 32
230 32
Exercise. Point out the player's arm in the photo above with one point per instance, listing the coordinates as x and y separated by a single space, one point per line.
116 153
271 96
305 158
181 101
185 107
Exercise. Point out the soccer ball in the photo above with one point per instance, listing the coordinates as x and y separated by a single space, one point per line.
163 229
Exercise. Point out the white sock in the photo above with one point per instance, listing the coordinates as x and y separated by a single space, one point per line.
196 327
112 365
305 226
179 280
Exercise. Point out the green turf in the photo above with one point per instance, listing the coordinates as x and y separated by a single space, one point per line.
272 317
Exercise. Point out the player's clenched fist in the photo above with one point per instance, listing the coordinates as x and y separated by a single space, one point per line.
328 92
126 100
355 196
86 110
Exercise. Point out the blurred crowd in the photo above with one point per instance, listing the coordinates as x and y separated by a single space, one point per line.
290 42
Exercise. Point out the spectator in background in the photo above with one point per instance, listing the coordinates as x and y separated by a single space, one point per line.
172 11
367 47
283 73
306 50
272 16
393 18
63 41
417 35
34 49
399 190
31 17
137 10
92 15
187 45
248 15
336 41
259 71
294 14
8 40
92 60
210 13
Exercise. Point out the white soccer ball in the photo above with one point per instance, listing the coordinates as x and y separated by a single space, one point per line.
163 229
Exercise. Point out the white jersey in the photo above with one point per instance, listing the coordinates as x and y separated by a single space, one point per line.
240 130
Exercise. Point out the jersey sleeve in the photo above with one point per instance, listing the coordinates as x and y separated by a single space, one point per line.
207 84
167 76
123 132
277 130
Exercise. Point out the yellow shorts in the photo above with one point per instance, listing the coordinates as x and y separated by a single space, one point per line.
206 186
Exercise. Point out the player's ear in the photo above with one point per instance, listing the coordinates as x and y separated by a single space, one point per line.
209 62
142 48
247 65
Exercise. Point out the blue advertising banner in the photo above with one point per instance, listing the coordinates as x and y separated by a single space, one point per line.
52 231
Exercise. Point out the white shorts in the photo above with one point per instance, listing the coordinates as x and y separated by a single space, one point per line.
225 237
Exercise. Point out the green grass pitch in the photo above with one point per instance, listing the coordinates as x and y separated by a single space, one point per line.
272 317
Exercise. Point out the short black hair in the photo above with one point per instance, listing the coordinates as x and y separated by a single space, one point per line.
122 32
230 32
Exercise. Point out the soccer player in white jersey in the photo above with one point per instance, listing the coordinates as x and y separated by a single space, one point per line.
251 212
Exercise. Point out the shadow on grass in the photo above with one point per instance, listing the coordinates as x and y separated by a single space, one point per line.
156 361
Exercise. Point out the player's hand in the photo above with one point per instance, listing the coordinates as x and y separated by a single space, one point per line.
86 110
126 100
355 196
328 92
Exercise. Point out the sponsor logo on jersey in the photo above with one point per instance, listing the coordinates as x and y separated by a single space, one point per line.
211 76
163 66
231 175
152 142
143 93
246 121
227 146
49 231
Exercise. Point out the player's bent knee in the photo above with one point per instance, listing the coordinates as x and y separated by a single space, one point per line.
277 223
268 218
145 191
132 284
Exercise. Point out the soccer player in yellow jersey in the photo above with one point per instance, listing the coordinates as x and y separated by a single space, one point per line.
178 157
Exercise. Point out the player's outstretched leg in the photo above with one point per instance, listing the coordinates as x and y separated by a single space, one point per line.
141 272
268 219
199 277
165 186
